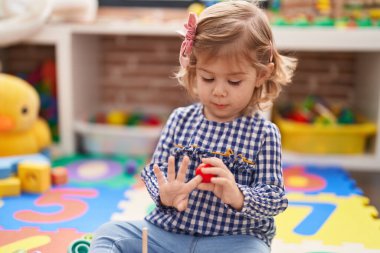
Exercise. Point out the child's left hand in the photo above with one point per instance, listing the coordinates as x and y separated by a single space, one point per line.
223 185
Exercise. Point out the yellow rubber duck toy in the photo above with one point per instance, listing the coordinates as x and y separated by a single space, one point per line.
21 130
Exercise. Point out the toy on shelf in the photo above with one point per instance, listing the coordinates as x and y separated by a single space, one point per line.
324 21
315 110
338 13
44 80
47 89
346 116
196 8
301 21
276 5
324 7
280 21
116 118
317 127
21 130
324 16
122 118
130 131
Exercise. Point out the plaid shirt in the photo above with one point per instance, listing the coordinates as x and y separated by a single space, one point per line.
249 146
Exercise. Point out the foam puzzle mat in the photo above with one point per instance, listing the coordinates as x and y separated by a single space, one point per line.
327 213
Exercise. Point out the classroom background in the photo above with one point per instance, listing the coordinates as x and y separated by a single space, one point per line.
103 72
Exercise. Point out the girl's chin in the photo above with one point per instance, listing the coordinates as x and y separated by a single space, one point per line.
219 117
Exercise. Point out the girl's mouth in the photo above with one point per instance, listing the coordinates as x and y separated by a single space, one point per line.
220 106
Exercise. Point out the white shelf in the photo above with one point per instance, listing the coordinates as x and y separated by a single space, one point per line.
49 35
352 162
122 28
327 39
289 38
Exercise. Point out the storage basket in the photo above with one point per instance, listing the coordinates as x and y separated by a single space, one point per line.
118 140
324 139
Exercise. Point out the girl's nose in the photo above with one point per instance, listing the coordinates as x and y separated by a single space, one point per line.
219 90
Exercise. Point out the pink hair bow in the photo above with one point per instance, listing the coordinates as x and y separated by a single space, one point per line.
187 44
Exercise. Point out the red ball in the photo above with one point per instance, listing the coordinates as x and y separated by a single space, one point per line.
206 178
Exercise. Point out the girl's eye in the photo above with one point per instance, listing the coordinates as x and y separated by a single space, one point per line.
235 83
207 80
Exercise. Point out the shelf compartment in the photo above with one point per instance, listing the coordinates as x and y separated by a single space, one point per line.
117 140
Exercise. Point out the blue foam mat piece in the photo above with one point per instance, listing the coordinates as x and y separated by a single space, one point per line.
93 210
337 180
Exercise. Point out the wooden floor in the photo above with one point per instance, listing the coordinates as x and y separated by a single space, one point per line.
369 182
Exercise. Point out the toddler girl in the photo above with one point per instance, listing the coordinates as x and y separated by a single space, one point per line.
230 65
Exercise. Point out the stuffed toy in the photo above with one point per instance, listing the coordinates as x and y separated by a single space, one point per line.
21 130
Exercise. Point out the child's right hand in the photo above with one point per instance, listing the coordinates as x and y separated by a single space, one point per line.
174 191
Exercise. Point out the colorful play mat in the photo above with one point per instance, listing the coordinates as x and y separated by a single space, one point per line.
327 213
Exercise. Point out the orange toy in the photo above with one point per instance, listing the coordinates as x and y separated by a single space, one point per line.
59 176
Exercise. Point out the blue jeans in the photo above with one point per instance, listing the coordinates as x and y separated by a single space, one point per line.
125 237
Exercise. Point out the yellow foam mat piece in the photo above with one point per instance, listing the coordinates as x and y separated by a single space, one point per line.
26 244
330 219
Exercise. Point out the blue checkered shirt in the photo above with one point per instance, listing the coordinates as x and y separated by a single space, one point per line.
249 146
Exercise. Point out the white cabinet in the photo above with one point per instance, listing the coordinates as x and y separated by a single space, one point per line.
78 54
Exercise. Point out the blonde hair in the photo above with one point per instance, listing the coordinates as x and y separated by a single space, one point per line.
239 29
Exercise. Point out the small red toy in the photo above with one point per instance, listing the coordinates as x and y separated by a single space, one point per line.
206 178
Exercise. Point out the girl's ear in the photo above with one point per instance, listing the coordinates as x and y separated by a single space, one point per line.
264 74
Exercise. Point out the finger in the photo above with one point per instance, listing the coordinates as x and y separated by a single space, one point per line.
214 161
206 187
182 170
221 181
160 176
171 169
182 205
215 171
193 183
